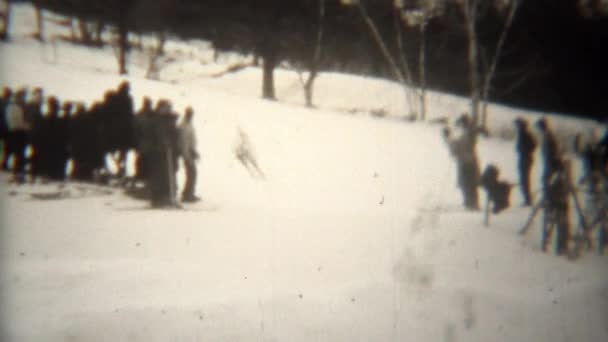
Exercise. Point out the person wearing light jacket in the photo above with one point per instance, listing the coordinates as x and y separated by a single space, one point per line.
18 130
187 146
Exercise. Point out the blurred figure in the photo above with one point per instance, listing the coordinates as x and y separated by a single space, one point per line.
462 149
189 153
525 147
557 208
159 149
33 115
143 115
117 124
77 145
550 151
17 133
7 93
51 145
498 191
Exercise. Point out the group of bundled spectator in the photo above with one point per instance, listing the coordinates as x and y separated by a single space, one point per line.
40 136
556 179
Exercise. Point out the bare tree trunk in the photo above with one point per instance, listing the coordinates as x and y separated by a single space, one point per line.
314 65
398 73
123 46
409 93
5 33
489 75
72 30
308 88
39 24
270 60
381 44
162 39
469 8
85 35
99 27
422 69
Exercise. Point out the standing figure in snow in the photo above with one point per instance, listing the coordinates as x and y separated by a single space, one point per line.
7 93
525 146
158 145
557 205
54 150
550 150
33 115
143 115
189 153
17 133
462 149
123 124
117 124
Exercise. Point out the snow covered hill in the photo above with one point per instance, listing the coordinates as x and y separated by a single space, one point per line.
356 233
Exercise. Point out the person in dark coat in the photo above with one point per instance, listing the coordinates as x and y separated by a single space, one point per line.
462 149
50 153
145 113
557 208
550 151
96 136
525 147
7 93
33 115
118 124
158 145
76 142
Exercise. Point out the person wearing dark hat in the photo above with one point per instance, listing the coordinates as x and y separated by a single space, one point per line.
550 151
188 151
525 147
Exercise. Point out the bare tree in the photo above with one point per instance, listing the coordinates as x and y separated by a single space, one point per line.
418 16
155 54
39 34
470 10
6 22
313 67
402 74
482 74
513 6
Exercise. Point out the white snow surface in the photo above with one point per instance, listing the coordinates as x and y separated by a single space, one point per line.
355 234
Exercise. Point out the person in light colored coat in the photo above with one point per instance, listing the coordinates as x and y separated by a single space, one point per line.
189 153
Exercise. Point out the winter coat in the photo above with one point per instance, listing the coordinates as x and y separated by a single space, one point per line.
15 118
526 144
187 142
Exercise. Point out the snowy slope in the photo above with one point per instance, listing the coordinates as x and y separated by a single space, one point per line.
355 235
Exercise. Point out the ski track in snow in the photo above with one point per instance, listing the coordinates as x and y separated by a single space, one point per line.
355 234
